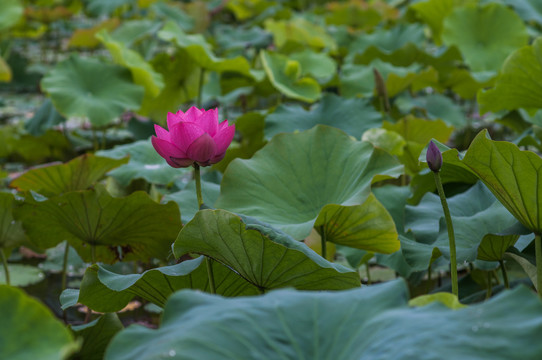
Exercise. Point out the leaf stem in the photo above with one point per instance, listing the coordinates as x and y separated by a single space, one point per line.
197 177
538 251
65 266
5 263
93 253
504 274
489 284
323 241
209 263
451 236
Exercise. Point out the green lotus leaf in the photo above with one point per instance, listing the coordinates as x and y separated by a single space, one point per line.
511 174
105 291
318 65
368 226
517 86
263 256
486 35
529 10
22 275
446 299
30 330
131 31
384 139
144 163
86 38
5 71
44 119
435 106
11 230
96 336
187 199
244 10
288 324
142 72
288 182
354 15
130 228
353 116
433 13
11 12
387 41
104 7
235 39
493 247
475 214
78 174
285 75
74 90
358 80
180 86
200 51
299 31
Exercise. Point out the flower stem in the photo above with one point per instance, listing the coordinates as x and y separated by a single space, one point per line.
451 236
538 252
197 177
5 263
323 241
504 274
209 263
65 266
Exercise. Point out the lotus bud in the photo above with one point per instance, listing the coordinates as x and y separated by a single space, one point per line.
433 157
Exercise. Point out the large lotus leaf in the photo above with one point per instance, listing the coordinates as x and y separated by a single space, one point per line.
10 13
475 214
5 71
485 35
511 174
200 51
105 291
11 231
318 65
285 75
104 7
435 106
78 174
74 90
86 37
518 84
433 13
187 198
358 80
290 180
130 228
263 256
29 329
299 31
387 41
368 226
45 118
180 86
145 163
96 336
142 72
236 39
353 116
369 323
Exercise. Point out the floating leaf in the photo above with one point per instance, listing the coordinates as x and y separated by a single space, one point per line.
264 257
78 174
292 324
290 180
353 116
517 86
131 228
285 75
144 163
74 90
26 321
105 291
22 275
486 35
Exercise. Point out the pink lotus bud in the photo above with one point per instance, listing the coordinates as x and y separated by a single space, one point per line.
433 157
193 137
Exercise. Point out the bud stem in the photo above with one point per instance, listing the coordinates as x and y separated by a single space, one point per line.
451 236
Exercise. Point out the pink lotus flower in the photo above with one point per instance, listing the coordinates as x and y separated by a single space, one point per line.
194 137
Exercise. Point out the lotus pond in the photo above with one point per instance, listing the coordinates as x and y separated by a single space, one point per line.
251 179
